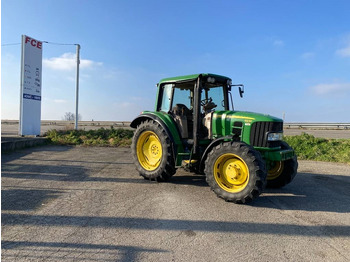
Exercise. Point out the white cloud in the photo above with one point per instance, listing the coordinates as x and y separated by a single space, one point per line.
331 89
344 52
67 62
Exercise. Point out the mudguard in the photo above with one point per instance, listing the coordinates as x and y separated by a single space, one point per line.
167 123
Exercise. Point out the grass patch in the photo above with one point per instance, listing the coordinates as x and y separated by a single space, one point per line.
308 147
100 137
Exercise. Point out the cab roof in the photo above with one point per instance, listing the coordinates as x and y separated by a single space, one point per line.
187 78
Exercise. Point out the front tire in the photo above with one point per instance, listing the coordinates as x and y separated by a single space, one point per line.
235 172
282 173
152 152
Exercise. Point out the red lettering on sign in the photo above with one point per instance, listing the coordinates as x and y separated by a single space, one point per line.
33 42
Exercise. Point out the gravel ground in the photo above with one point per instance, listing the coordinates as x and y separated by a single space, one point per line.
89 204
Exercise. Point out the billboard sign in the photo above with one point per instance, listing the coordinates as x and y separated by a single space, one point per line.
30 100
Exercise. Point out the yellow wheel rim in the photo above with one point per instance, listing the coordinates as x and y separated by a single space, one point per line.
231 173
149 150
276 170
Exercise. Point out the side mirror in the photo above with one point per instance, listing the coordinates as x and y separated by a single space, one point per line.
241 90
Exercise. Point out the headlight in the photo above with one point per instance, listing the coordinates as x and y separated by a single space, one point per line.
274 136
211 80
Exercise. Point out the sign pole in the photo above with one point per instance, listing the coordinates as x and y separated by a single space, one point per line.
77 89
20 131
30 87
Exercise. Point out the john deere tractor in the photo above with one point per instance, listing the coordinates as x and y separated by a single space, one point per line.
195 126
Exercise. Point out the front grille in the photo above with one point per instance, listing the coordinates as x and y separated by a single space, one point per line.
259 130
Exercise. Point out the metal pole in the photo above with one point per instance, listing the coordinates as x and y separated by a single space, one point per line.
77 89
20 131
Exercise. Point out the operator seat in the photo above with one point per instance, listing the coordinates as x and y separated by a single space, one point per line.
183 119
181 109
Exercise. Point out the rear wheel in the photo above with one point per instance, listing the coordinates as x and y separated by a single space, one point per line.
235 172
281 173
152 152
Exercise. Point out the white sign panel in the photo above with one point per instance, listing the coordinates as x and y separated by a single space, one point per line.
30 110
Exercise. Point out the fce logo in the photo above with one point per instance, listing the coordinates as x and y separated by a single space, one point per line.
34 42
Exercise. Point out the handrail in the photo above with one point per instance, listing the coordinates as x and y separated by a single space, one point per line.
127 123
318 125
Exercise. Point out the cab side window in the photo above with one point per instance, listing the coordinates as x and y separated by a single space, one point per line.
182 96
166 98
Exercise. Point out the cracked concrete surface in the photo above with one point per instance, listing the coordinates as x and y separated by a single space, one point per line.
89 204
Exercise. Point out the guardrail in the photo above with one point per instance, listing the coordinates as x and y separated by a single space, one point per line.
81 123
127 124
318 125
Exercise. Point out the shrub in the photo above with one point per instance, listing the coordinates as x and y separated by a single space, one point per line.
308 147
99 137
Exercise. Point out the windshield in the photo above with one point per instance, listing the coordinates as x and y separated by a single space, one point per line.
213 96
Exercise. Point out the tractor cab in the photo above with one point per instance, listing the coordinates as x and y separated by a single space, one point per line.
191 101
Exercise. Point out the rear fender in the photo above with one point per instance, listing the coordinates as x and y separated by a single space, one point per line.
167 123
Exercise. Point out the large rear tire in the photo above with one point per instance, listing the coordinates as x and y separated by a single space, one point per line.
152 152
282 173
235 172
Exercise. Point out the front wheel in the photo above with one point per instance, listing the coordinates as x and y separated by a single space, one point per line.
281 173
235 172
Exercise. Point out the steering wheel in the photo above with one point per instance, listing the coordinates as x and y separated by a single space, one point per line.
206 101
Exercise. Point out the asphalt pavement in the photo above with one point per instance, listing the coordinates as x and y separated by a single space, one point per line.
64 203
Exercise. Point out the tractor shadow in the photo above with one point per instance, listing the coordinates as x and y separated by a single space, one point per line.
309 192
191 179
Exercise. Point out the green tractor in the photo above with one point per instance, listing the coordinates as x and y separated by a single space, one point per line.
195 126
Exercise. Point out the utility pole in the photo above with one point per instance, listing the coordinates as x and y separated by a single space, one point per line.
77 88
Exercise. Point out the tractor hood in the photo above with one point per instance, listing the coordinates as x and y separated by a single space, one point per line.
246 117
228 123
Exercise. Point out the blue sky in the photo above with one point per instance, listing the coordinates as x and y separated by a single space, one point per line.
292 56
